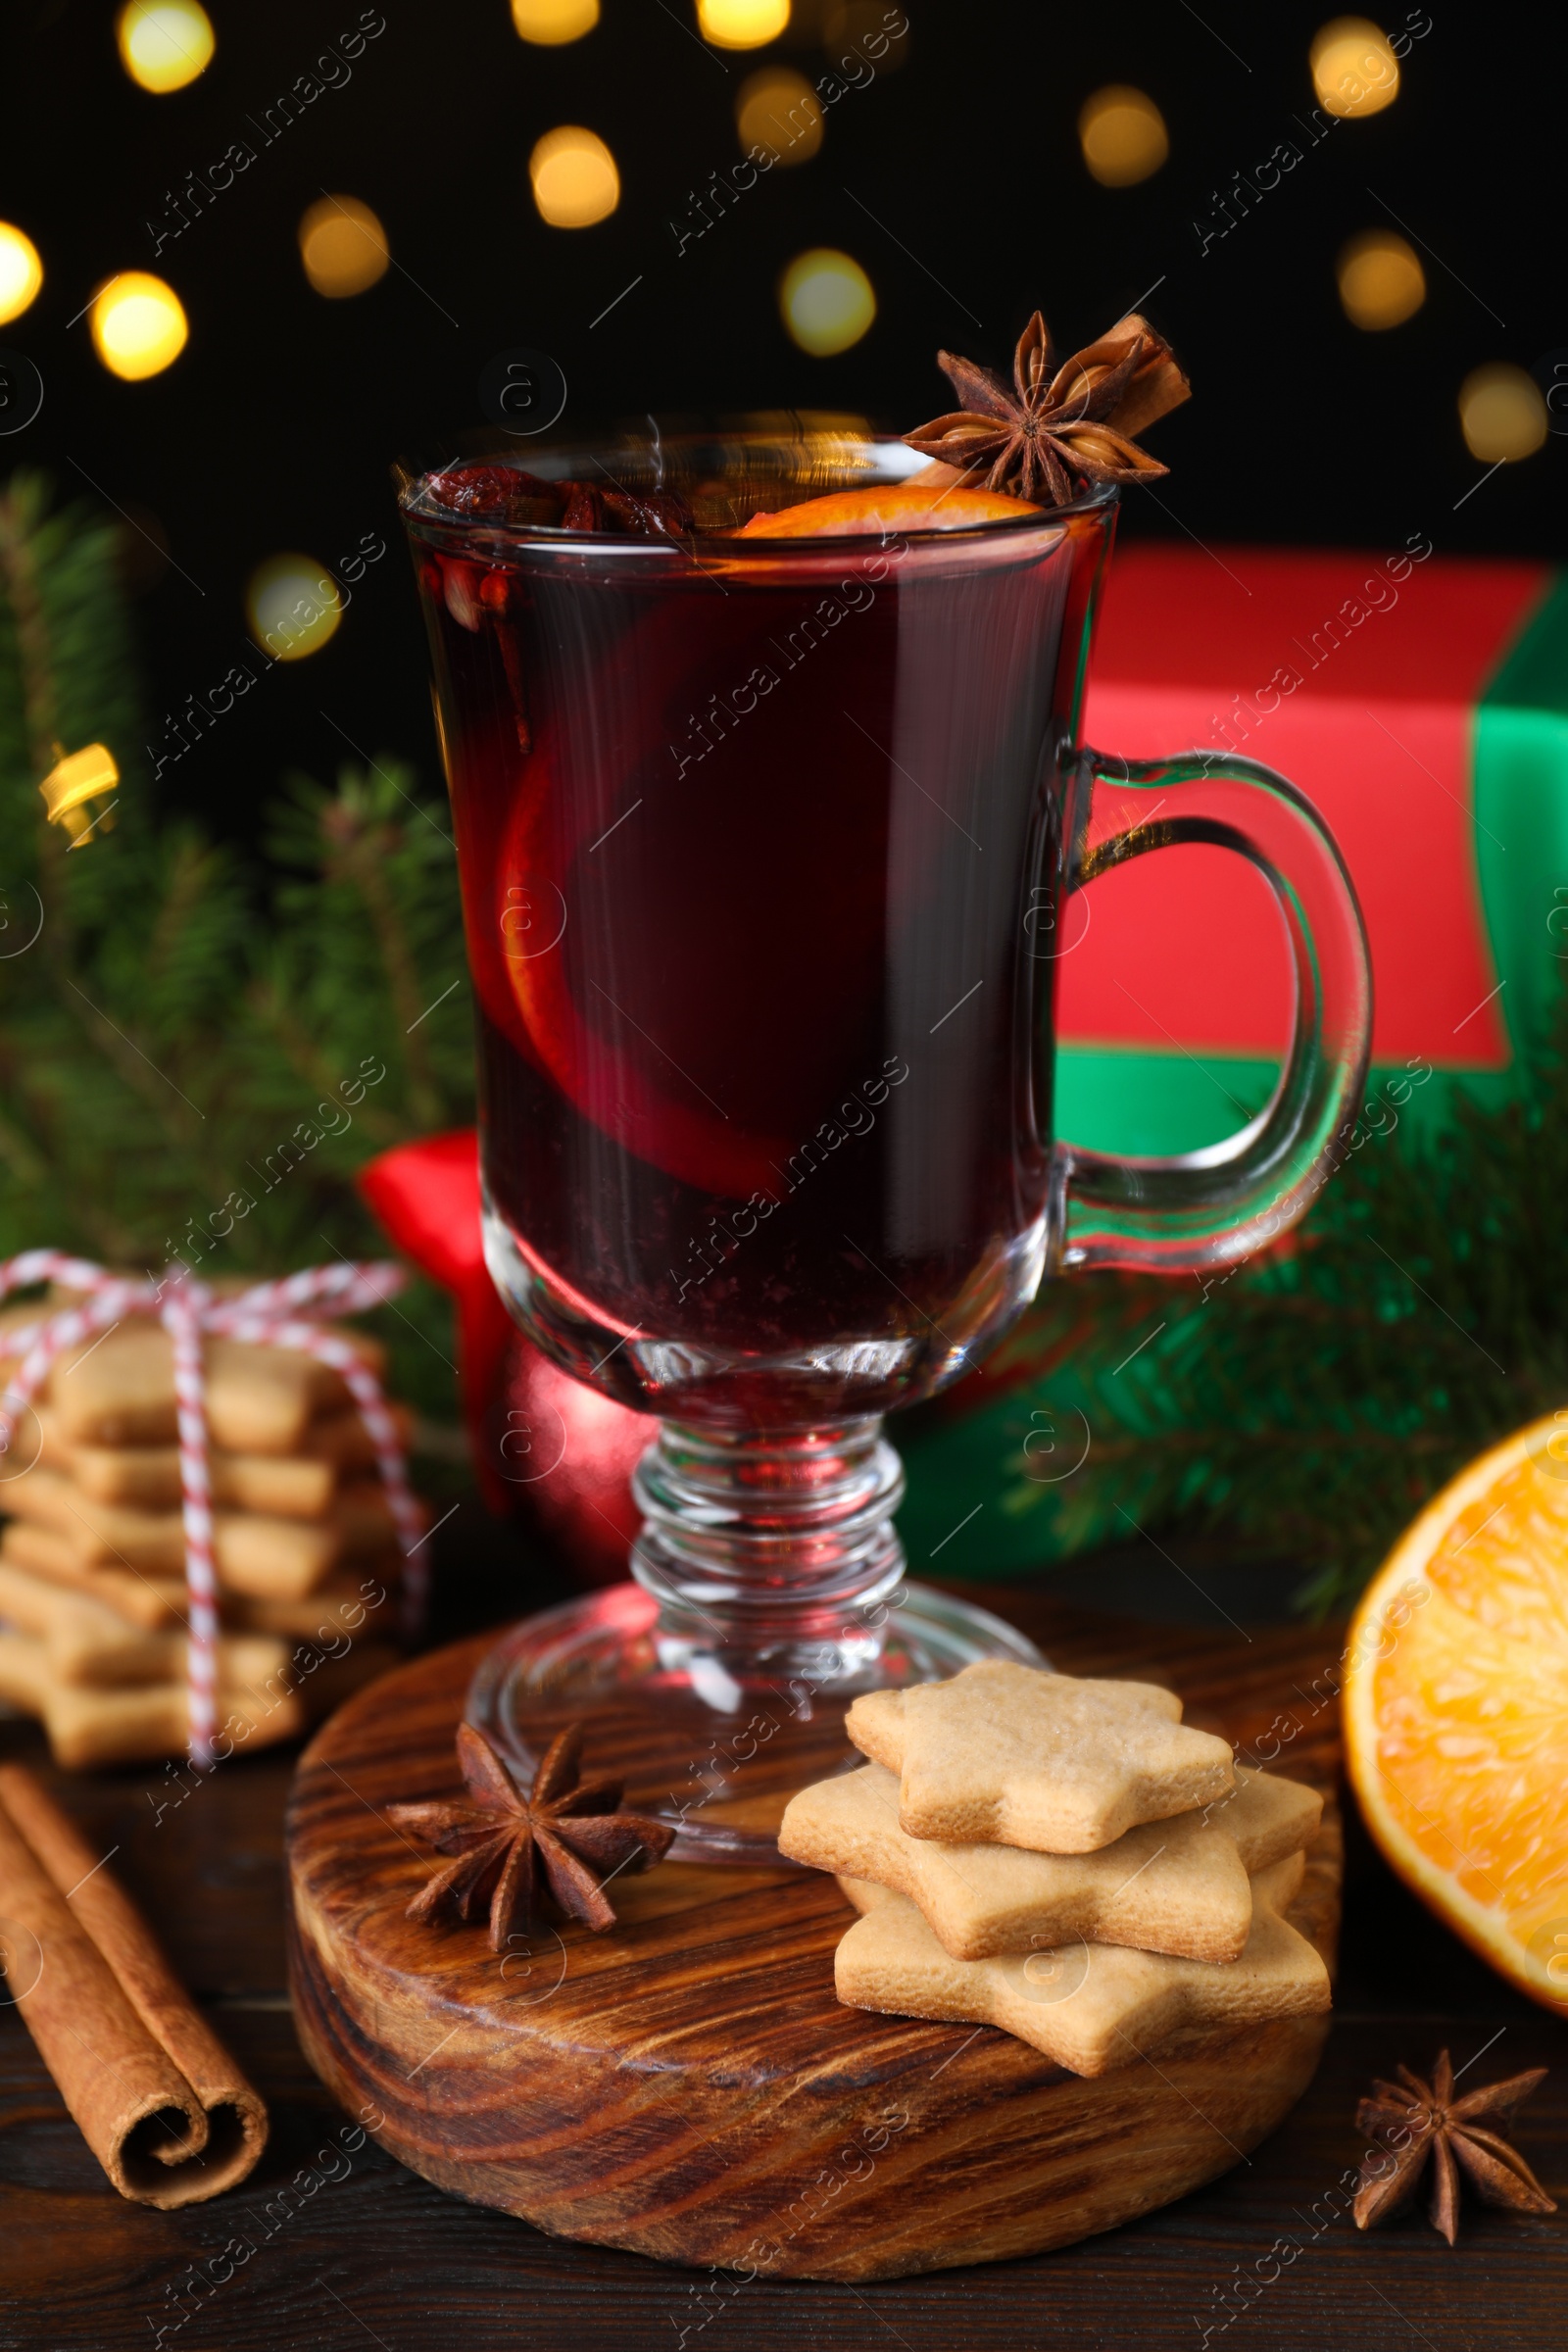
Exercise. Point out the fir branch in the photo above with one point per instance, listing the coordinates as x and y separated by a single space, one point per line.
360 851
1314 1401
268 998
19 507
364 863
134 1064
274 1011
20 1156
19 520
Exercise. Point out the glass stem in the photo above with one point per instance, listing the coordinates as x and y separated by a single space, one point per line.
770 1555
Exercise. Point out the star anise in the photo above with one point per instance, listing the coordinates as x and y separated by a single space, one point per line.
1058 422
511 1848
1411 2119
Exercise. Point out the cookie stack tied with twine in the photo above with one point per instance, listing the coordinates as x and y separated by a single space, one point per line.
1064 1859
210 1538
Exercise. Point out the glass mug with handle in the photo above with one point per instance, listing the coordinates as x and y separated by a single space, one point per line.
765 845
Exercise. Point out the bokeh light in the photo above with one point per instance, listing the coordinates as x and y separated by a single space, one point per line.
293 605
138 326
548 23
742 24
826 300
1123 135
74 783
163 44
1355 71
21 272
1501 413
1382 282
343 246
778 109
574 178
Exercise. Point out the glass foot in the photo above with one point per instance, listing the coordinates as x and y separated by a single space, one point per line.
705 1740
769 1593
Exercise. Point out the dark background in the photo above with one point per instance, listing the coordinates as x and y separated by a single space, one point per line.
275 428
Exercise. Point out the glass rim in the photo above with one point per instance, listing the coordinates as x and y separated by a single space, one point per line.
558 459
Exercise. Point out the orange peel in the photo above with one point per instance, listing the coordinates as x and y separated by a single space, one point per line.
898 506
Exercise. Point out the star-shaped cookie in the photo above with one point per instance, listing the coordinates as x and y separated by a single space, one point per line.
1178 1885
1013 1755
1089 2006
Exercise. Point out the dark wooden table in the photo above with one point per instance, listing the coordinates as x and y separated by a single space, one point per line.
360 2250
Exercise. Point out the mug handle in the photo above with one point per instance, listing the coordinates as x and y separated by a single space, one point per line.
1213 1207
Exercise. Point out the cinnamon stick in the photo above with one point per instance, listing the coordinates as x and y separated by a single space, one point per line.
159 2101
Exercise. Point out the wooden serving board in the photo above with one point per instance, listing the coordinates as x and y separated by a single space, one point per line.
688 2086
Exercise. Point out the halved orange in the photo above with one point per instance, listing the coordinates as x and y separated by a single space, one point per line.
1456 1707
896 506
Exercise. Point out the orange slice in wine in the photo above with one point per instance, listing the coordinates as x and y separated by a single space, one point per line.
1456 1707
614 1072
898 506
589 1034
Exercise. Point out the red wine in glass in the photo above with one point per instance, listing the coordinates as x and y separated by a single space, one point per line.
753 856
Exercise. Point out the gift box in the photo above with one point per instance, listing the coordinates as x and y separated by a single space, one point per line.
1421 703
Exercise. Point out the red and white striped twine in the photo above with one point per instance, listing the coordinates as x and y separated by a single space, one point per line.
266 1314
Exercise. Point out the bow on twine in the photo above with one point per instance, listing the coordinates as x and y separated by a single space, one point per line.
265 1313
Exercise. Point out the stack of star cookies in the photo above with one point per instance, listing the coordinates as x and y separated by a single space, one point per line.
92 1558
1064 1859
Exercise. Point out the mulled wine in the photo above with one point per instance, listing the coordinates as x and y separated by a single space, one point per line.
758 840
